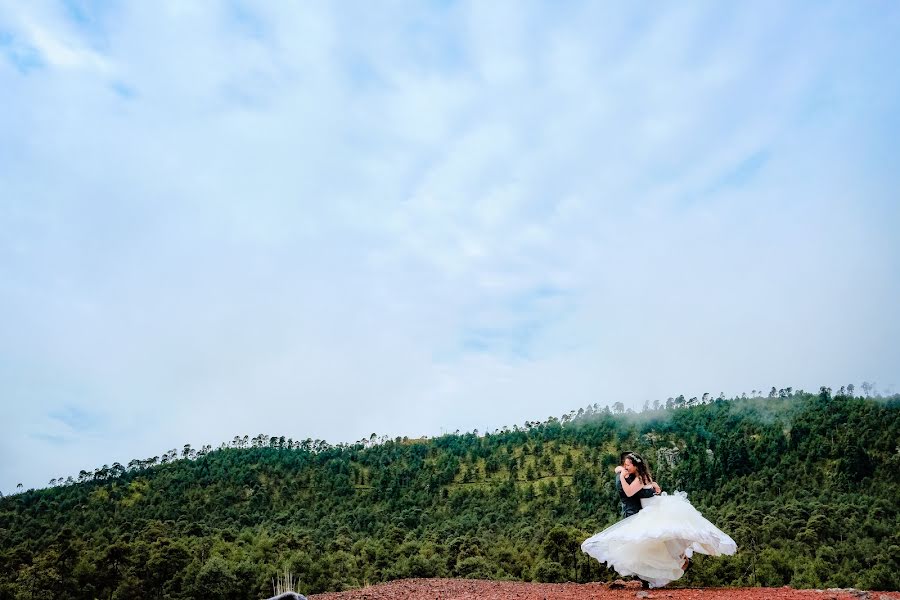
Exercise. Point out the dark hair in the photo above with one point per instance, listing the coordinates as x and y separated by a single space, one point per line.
643 471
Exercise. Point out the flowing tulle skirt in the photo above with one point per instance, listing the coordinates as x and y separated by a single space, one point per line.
653 544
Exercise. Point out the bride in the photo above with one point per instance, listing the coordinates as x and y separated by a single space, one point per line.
659 533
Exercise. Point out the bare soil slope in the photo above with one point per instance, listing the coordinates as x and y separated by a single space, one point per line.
458 589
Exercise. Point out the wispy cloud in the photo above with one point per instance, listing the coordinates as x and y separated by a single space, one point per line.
75 418
446 215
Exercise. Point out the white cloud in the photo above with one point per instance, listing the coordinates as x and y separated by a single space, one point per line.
324 223
54 39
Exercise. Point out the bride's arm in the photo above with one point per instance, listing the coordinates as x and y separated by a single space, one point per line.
632 488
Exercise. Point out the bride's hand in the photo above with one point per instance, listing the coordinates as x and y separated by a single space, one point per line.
619 469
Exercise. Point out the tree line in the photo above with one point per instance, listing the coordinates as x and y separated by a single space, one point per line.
806 483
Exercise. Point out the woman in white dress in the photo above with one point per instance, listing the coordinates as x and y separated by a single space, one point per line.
656 541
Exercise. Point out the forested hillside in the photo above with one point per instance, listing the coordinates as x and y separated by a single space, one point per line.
807 484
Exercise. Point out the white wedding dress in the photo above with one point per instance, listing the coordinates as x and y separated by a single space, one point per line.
653 543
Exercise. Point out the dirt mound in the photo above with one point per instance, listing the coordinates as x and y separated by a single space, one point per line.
459 589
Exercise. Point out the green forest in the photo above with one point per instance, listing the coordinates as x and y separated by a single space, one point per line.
807 484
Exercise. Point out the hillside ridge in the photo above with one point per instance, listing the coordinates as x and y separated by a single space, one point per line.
805 484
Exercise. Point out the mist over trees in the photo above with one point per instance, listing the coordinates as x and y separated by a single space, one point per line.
806 484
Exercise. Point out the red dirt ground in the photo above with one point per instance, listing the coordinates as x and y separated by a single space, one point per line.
459 589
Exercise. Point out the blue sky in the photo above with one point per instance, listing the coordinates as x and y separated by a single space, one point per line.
331 219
